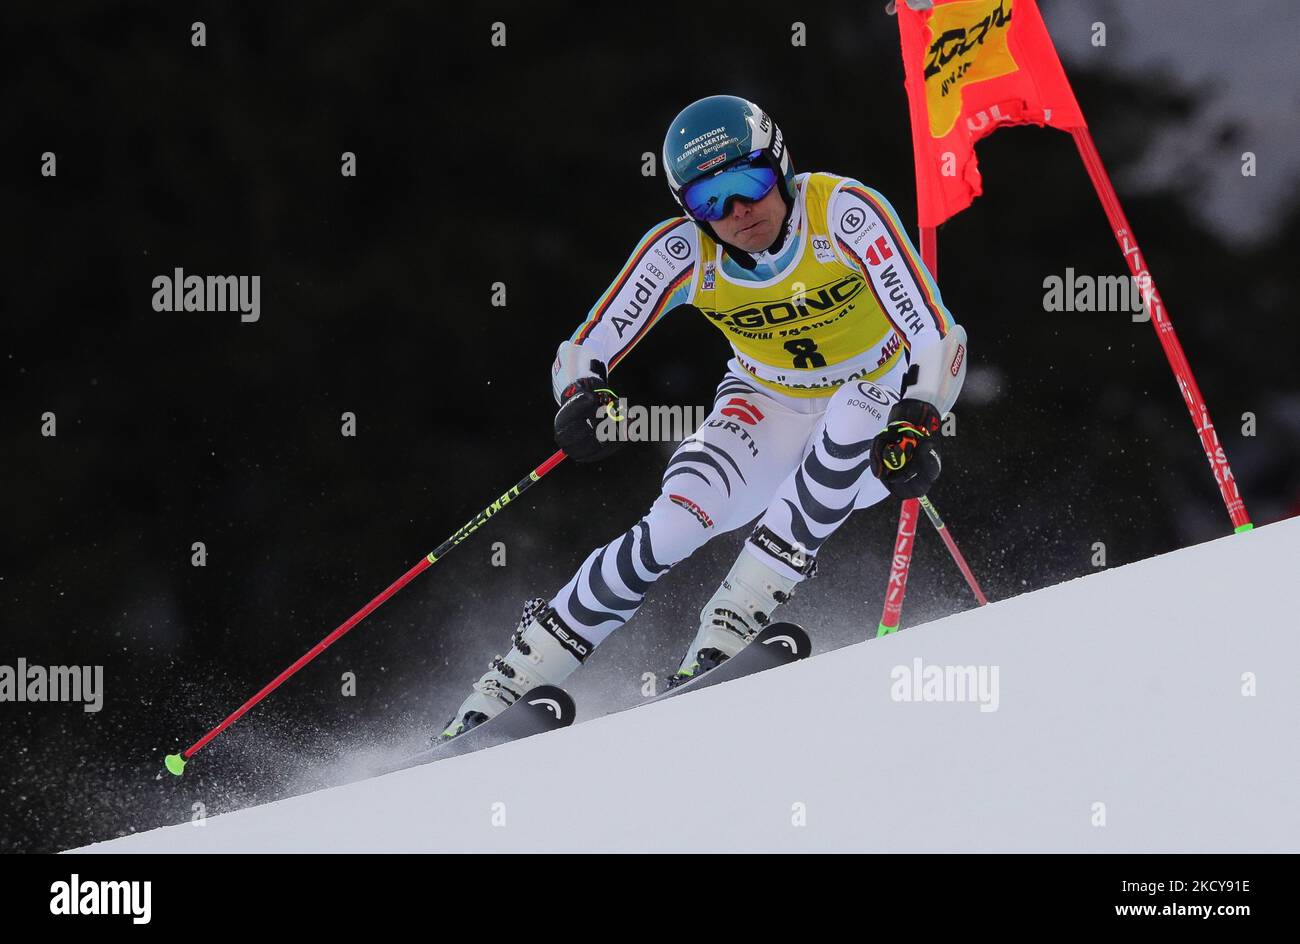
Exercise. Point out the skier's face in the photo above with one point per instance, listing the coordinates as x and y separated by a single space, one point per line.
752 225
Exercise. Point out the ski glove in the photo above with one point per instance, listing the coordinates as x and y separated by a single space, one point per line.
586 424
903 456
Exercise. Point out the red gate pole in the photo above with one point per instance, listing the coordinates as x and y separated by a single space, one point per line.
1164 328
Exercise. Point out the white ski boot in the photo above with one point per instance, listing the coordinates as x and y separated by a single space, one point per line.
742 606
537 656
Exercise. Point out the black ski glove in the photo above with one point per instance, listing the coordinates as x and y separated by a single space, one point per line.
903 455
588 406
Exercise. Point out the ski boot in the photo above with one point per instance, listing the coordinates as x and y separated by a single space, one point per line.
536 657
742 606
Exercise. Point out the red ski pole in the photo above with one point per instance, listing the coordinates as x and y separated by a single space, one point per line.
176 762
900 565
933 514
892 615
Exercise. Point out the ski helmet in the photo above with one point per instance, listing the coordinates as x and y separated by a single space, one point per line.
724 133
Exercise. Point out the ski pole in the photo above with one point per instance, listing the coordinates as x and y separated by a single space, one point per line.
176 762
892 613
933 514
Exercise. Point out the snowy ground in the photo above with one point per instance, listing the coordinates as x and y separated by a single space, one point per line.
1148 708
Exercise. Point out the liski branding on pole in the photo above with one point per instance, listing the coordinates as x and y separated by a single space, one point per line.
899 567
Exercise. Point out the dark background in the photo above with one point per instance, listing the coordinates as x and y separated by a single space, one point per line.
519 165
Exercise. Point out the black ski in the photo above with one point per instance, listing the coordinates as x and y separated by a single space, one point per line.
776 644
541 709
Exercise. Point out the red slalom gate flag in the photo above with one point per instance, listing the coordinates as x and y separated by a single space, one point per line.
973 66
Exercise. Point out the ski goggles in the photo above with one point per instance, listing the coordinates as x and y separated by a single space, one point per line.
749 178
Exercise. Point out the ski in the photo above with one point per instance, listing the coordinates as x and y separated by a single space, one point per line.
776 644
541 709
548 708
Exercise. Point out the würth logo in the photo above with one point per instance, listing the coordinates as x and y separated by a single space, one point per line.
879 251
742 410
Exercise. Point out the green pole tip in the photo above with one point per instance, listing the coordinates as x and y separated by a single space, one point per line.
883 630
175 763
1243 527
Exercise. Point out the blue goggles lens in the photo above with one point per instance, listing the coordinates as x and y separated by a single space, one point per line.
708 198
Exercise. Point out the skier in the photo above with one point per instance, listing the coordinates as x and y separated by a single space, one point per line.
845 362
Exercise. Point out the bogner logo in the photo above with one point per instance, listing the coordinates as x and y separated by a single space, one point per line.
810 304
871 395
851 220
872 392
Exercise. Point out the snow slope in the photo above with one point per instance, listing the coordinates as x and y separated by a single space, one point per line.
1122 724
